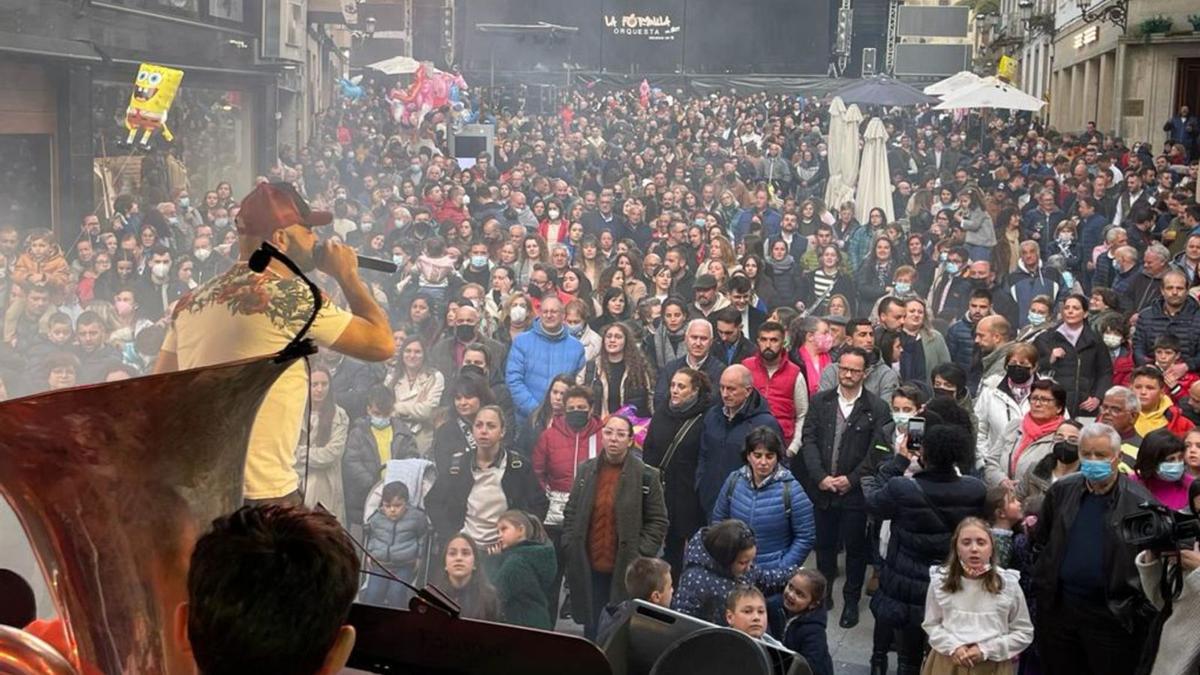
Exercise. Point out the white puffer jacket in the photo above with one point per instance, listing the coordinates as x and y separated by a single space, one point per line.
994 409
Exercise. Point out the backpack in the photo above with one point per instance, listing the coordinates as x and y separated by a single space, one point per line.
731 484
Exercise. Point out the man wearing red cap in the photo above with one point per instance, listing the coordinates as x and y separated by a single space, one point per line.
243 314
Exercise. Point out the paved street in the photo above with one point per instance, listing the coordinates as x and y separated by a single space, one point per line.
851 649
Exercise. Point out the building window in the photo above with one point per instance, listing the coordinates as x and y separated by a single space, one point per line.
295 27
230 10
187 6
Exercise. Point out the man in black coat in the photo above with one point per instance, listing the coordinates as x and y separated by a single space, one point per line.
847 433
1091 608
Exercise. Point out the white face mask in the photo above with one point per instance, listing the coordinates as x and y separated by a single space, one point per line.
202 254
160 270
1112 340
518 313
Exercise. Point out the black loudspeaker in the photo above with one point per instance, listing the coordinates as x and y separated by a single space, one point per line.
644 636
713 651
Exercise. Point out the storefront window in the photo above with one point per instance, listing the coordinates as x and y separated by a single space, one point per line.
230 10
25 180
212 129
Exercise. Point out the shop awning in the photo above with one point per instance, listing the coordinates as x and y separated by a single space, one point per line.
56 48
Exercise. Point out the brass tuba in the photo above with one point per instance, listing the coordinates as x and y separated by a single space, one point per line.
112 484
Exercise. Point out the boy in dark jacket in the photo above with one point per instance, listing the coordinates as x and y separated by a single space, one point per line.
647 579
394 535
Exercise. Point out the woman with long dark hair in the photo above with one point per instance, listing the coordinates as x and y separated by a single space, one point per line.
874 275
464 581
620 374
468 393
319 456
418 388
826 281
667 342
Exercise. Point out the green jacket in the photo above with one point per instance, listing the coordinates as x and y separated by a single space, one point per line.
641 528
524 581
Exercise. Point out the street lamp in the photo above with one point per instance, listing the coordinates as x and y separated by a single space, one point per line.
1115 12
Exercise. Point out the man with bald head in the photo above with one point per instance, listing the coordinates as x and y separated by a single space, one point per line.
993 339
447 354
726 425
698 339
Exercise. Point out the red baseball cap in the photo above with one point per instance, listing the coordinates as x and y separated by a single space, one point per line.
274 206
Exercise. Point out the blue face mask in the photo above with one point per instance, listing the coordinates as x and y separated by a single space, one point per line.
902 287
1096 470
381 422
1037 319
1068 279
951 268
1170 471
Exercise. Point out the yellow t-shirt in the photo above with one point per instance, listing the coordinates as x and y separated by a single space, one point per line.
240 315
383 441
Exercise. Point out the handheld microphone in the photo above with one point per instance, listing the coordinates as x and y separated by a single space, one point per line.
377 265
374 264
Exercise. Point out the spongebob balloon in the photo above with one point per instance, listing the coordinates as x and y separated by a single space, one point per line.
153 93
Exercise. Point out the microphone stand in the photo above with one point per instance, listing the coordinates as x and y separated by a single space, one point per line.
300 346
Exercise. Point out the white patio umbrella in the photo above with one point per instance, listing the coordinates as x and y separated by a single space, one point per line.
397 65
837 129
952 84
852 120
874 176
991 93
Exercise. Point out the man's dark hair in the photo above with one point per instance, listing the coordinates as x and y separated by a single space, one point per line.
269 588
771 327
981 294
740 284
854 351
728 315
887 303
90 318
854 324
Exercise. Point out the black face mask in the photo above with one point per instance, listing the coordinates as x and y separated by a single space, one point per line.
1019 374
464 333
534 291
945 393
576 419
1066 453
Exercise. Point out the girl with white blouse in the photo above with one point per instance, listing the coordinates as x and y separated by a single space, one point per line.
975 613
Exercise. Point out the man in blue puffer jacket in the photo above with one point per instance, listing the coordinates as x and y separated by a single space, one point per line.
725 429
540 353
764 495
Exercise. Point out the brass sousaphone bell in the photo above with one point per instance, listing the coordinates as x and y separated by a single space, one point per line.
112 483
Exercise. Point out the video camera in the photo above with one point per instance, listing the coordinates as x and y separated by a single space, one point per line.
1156 528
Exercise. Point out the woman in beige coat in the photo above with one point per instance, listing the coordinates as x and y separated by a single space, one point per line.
418 388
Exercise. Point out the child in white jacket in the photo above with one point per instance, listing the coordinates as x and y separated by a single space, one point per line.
975 613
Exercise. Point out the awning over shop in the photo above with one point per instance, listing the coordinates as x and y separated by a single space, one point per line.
48 47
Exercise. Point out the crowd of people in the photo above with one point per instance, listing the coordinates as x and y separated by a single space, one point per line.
638 357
